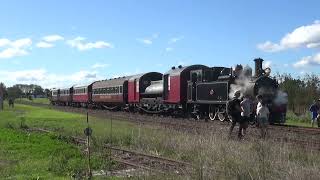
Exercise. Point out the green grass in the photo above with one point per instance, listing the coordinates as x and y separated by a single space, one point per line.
29 156
34 100
67 123
14 120
303 120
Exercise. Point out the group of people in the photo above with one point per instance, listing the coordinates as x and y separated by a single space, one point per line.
315 112
241 111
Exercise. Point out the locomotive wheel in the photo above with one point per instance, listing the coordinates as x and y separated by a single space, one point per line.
212 113
221 116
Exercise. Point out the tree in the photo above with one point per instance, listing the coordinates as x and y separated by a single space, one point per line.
38 91
302 91
47 93
14 92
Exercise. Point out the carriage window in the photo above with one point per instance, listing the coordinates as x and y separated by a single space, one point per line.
120 89
117 90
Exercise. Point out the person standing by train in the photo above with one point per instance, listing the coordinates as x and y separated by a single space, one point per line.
263 118
234 111
246 109
314 109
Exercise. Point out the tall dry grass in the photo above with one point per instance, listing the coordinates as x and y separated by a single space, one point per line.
215 156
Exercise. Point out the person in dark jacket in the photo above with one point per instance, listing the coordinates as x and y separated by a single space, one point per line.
314 109
11 102
234 111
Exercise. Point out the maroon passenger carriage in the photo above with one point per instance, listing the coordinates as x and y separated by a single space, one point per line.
110 94
64 96
82 95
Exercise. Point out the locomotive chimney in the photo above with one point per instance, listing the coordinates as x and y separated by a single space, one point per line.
258 67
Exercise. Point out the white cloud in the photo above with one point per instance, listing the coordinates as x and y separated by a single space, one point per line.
145 41
14 48
4 42
308 61
79 43
47 41
305 36
99 65
148 40
12 52
313 45
168 49
46 79
53 38
44 45
269 47
21 43
175 39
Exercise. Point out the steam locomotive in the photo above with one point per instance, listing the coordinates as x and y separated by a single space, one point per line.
197 90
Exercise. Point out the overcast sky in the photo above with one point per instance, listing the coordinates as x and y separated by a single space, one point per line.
60 43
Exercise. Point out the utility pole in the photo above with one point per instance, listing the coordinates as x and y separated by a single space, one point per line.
88 133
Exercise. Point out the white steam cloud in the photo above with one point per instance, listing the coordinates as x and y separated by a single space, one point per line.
243 83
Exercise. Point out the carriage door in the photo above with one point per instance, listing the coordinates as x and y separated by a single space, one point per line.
195 77
165 86
124 90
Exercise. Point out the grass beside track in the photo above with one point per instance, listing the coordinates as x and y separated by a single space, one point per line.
291 119
31 156
303 120
34 100
212 153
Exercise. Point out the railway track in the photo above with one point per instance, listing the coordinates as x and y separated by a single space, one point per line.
150 162
138 160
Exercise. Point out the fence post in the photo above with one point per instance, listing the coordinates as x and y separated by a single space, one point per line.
88 133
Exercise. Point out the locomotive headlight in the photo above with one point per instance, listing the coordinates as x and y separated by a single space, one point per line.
267 71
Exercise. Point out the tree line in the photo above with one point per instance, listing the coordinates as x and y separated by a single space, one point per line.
302 91
23 91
